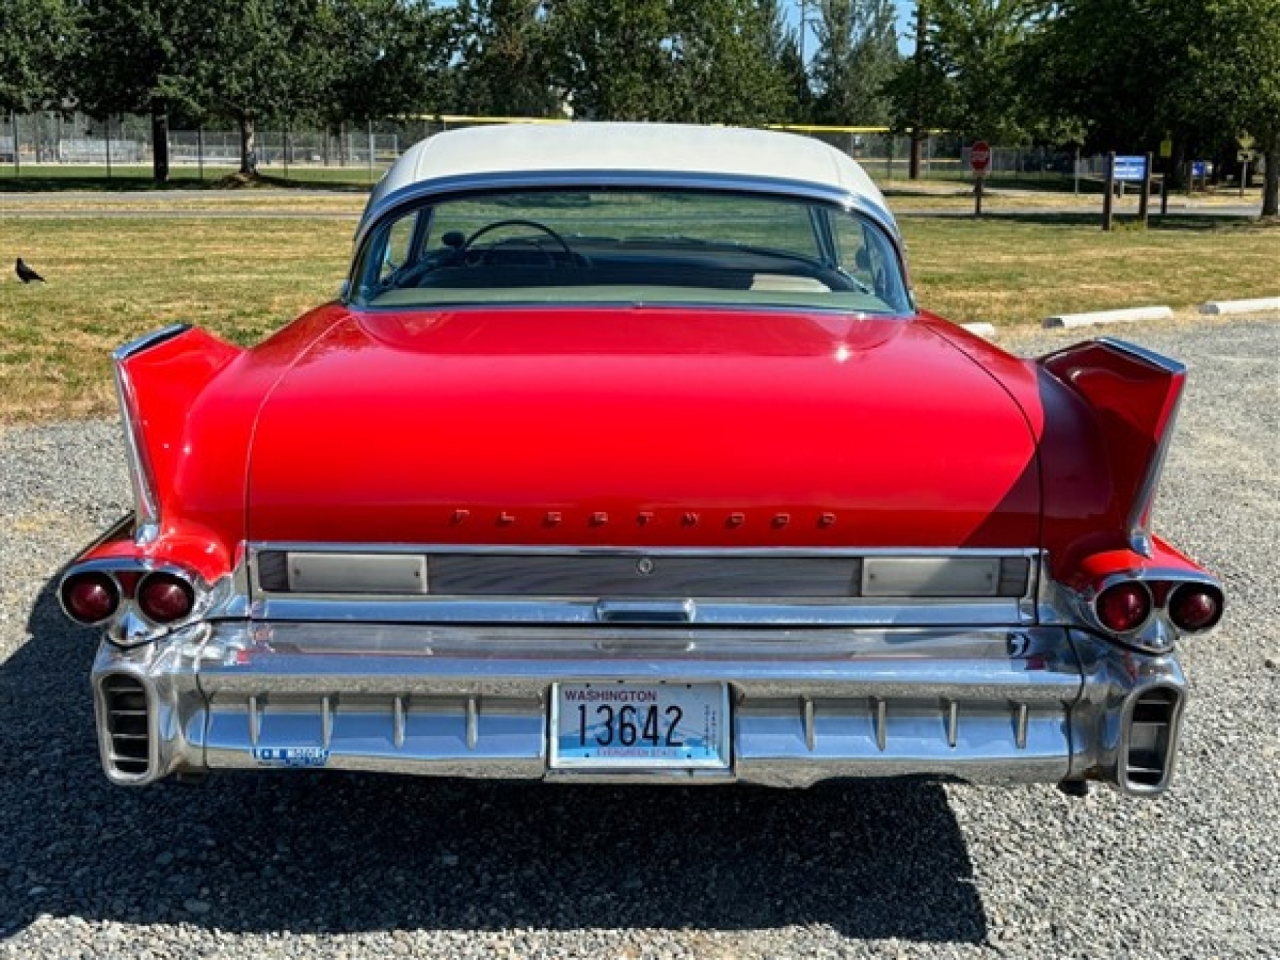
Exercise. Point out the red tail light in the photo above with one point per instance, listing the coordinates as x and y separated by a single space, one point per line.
164 597
1123 607
90 597
1195 607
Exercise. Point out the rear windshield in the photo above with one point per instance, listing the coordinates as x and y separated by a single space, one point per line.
631 245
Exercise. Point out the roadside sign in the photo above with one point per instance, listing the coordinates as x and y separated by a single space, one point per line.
1199 169
1166 149
1244 156
980 157
1131 169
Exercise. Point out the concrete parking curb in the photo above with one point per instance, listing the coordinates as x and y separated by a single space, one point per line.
984 330
1258 305
1127 315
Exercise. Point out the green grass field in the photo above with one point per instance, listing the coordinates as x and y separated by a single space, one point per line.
63 177
113 278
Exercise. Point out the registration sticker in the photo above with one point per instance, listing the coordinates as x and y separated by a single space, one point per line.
291 756
640 726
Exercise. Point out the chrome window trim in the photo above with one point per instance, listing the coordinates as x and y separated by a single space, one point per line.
425 192
141 474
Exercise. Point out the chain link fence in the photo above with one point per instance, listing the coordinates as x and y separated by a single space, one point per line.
53 143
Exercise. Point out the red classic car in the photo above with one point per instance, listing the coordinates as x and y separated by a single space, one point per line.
626 455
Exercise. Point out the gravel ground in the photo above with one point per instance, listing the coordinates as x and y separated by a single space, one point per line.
325 865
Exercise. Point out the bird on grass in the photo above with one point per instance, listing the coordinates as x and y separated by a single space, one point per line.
25 273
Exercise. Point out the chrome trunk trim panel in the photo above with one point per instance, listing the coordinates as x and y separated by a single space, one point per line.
739 587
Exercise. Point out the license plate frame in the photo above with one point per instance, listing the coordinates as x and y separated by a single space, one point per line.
702 729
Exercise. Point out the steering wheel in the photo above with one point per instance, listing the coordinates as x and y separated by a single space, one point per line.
498 224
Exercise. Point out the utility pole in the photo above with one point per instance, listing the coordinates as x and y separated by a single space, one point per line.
804 29
917 128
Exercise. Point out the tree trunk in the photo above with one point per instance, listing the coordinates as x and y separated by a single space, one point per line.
1271 184
159 140
248 147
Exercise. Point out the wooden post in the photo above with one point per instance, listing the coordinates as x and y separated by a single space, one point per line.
1108 201
1144 199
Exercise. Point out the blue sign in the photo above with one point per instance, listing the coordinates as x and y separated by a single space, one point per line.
1133 169
1199 169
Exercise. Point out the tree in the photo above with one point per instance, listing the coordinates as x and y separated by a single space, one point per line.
702 61
505 69
133 59
1120 69
966 76
1236 70
612 57
722 67
857 55
385 58
36 36
256 58
785 56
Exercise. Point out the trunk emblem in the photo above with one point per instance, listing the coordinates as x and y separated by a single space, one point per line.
644 566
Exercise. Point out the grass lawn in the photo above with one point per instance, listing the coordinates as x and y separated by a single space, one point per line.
112 279
1006 270
42 178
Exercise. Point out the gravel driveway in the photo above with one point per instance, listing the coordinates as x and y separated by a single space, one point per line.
313 864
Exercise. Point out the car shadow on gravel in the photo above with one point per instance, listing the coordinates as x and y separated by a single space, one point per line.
326 852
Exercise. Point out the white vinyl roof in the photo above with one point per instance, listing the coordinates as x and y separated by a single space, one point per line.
597 150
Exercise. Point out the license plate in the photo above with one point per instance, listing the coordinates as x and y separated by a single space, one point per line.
639 726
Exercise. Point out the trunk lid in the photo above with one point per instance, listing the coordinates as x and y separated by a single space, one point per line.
640 426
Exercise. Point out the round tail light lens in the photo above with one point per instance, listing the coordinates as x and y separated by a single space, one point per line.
90 597
1123 607
164 597
1195 607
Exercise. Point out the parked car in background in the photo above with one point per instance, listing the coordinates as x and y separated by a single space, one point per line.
627 455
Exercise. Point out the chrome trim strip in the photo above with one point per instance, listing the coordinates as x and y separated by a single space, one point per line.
584 612
1167 364
1144 498
881 721
141 475
261 546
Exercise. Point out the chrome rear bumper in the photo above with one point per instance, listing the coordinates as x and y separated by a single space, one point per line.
1007 704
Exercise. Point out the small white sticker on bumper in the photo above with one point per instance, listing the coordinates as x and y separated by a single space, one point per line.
291 756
